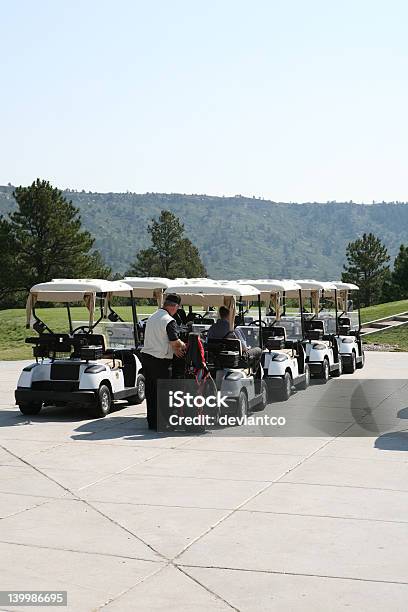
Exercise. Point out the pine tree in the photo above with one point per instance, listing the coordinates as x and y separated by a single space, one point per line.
171 254
398 285
366 267
44 240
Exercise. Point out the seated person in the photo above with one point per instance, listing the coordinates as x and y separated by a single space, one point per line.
221 330
180 317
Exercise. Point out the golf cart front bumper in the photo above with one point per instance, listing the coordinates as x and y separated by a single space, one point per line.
25 395
315 367
346 358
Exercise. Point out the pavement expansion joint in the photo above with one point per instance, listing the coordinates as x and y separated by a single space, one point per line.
283 573
82 552
326 516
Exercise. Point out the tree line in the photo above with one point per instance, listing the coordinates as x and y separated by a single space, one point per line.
44 239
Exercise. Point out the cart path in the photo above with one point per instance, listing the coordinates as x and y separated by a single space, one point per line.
115 514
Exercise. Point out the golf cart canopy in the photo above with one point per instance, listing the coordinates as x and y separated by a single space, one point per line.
267 286
68 290
148 287
74 290
345 286
313 285
213 293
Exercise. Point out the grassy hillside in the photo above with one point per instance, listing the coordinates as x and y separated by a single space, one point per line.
239 236
13 332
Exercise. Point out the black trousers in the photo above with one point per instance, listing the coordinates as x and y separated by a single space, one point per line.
154 370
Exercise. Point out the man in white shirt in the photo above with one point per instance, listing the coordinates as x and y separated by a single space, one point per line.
161 342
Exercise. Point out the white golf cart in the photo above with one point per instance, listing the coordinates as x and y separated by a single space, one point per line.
79 367
348 327
235 376
319 334
283 359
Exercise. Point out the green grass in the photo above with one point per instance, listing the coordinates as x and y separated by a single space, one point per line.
13 332
397 337
371 313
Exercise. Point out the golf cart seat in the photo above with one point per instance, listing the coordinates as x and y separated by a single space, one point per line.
344 326
47 345
88 346
274 338
314 329
226 353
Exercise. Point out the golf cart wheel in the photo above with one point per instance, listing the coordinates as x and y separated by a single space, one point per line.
350 368
339 372
304 385
360 365
30 409
325 371
285 391
141 391
242 405
103 403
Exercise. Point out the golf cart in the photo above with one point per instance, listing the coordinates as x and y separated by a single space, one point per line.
319 333
239 380
284 358
79 366
348 327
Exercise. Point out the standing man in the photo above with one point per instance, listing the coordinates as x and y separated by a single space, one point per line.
161 342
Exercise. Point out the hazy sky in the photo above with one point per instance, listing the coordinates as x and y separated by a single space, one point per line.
290 100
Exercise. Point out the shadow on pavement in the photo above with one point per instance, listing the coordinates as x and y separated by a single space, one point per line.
127 427
51 414
394 440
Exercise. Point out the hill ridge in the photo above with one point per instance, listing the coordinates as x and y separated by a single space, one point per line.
238 235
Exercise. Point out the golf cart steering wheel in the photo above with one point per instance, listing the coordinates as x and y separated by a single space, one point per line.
259 323
84 328
199 316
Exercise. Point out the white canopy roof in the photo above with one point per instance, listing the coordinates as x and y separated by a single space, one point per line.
148 286
314 285
266 285
74 290
212 293
348 286
140 282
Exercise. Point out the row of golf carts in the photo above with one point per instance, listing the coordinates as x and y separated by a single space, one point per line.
305 329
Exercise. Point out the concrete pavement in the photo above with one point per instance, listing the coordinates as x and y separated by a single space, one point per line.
126 520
